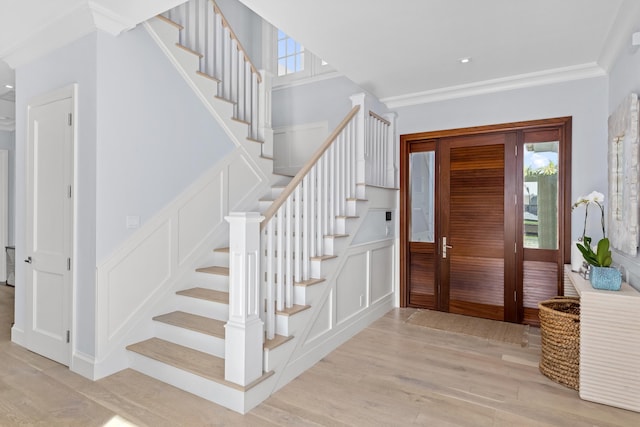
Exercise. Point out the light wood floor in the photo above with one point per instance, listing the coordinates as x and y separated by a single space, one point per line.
391 374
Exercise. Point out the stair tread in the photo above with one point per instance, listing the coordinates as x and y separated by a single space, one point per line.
277 341
293 310
181 46
336 236
197 362
169 21
208 76
259 141
322 257
214 269
206 294
193 322
347 216
309 282
222 250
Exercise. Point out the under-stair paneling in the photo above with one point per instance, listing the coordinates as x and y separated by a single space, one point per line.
351 287
205 209
242 180
324 320
137 277
381 273
294 145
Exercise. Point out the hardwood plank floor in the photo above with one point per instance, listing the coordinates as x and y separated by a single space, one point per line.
391 374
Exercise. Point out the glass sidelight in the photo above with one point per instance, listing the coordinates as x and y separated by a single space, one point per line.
540 195
422 177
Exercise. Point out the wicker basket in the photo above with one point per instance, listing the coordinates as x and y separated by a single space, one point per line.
560 332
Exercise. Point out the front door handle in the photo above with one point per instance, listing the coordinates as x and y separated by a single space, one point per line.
28 260
445 247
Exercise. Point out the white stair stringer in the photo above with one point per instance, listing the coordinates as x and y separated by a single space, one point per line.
166 35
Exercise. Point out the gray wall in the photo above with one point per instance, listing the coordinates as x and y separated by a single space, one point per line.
624 78
7 142
154 136
143 137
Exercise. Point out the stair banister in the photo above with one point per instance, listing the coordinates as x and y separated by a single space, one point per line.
297 221
279 201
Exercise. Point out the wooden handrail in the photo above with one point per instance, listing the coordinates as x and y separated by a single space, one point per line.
382 119
271 211
225 23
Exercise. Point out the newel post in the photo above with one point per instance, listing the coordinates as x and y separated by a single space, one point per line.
244 333
361 162
392 152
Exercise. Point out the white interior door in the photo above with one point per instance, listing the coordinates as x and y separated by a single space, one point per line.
49 227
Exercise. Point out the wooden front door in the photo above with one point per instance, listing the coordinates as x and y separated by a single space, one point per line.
477 230
484 220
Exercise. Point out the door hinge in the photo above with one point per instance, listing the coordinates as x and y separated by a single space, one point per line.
68 264
69 192
70 119
68 336
515 296
516 151
515 247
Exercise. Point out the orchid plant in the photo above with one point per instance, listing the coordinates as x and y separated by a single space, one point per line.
602 256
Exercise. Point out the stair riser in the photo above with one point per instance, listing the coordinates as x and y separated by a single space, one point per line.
211 281
307 295
345 225
276 357
317 266
188 338
292 325
200 307
334 245
194 384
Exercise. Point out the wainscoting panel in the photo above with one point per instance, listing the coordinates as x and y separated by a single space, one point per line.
351 287
323 323
137 277
381 273
204 211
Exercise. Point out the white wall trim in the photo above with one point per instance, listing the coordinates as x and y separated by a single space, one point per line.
541 78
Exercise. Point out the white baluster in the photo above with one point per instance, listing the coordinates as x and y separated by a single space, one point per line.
279 258
305 228
298 232
312 213
271 314
289 252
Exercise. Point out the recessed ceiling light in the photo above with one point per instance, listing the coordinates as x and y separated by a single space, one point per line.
9 86
465 60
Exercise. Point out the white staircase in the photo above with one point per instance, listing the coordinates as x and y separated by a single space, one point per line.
310 221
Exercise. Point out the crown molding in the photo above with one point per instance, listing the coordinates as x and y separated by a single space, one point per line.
541 78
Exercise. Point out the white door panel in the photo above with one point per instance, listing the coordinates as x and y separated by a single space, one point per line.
49 228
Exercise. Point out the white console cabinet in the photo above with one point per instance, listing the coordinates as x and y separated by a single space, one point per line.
609 343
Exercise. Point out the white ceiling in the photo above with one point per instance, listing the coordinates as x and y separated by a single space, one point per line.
404 52
409 49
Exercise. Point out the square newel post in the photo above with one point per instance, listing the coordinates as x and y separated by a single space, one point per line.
244 333
392 152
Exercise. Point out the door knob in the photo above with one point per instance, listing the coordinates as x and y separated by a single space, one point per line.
28 260
445 247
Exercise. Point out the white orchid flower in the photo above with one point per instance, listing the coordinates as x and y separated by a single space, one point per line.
595 197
